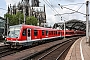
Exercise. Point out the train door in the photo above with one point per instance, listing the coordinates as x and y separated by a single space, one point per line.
28 34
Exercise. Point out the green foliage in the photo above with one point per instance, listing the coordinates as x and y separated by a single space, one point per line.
18 18
31 20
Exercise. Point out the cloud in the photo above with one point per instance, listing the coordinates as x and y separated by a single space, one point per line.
12 2
87 0
51 19
70 0
2 12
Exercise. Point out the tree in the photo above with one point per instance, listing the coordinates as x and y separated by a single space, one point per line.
31 21
14 19
18 18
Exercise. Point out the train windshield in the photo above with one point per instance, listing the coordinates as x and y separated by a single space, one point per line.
14 32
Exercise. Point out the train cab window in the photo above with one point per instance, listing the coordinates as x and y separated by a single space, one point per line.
24 32
35 32
46 33
42 32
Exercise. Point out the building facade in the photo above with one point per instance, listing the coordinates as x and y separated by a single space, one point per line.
2 27
30 10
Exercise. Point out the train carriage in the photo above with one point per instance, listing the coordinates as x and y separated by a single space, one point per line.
79 33
68 33
26 35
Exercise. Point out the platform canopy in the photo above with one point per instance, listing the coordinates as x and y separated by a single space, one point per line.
72 25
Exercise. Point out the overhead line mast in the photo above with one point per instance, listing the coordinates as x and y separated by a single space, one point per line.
87 20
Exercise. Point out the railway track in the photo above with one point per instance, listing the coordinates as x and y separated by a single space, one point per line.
57 52
4 51
41 55
2 48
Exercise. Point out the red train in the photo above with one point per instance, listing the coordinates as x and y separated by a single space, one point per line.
25 35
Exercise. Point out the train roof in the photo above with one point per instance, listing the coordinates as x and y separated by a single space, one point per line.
38 27
68 30
16 25
33 27
49 29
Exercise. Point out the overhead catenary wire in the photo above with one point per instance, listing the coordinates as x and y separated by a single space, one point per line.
74 4
48 3
80 7
56 10
71 12
71 9
50 6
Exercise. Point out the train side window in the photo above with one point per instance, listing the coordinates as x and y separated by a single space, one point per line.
56 32
52 32
35 32
24 32
49 32
46 32
65 32
42 32
28 32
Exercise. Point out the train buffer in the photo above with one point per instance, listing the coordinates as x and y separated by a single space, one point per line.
80 50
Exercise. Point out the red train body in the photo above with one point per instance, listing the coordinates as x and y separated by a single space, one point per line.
25 35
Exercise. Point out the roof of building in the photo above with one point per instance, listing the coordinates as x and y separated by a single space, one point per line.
72 25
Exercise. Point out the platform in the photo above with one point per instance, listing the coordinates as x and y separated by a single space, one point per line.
1 44
80 50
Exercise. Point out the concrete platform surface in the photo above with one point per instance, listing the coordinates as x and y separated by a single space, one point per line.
80 50
1 44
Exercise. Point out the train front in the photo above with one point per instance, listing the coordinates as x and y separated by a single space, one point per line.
13 36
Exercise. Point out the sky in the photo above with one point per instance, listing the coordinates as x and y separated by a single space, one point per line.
52 8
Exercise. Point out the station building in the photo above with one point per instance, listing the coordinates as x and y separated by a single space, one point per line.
2 27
